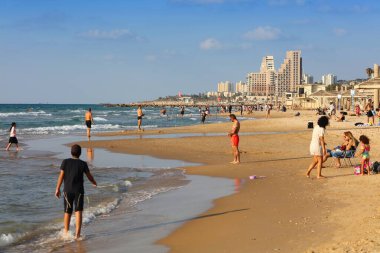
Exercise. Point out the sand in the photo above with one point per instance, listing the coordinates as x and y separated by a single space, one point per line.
282 212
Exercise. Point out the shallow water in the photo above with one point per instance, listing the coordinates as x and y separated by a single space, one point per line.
28 209
31 217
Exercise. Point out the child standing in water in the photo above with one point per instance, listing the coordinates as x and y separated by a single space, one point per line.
12 137
72 170
364 149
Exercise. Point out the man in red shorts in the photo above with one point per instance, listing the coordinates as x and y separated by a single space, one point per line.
234 134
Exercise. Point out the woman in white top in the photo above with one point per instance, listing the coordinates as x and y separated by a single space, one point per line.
12 136
318 146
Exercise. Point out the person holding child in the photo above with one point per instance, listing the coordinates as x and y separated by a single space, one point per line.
363 152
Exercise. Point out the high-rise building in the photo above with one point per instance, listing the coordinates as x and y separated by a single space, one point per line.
262 83
329 79
267 64
241 87
269 82
290 73
307 79
226 86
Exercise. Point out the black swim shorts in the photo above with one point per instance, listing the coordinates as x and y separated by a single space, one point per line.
13 140
73 199
139 117
369 113
88 123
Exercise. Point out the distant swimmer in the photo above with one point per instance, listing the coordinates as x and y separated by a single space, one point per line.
163 111
12 137
71 175
234 134
89 121
182 111
140 115
203 116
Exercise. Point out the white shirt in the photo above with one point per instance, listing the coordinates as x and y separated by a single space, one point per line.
13 132
315 146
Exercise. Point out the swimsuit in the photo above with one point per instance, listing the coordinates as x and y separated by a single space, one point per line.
71 199
88 123
235 140
365 154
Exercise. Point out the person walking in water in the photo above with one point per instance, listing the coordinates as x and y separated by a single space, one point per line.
234 134
12 137
89 121
72 170
140 115
182 111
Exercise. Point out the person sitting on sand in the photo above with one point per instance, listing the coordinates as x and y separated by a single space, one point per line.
318 146
234 134
341 117
364 153
72 170
346 149
357 110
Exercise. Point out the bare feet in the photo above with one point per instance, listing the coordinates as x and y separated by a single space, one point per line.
78 238
321 177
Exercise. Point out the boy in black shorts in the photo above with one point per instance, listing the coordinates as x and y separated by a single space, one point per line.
72 170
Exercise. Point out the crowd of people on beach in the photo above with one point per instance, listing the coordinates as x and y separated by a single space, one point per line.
368 110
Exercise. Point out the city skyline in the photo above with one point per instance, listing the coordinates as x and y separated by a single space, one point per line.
124 51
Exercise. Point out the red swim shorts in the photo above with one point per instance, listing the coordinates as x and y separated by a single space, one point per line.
235 140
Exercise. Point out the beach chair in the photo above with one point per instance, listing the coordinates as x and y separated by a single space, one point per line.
349 157
346 160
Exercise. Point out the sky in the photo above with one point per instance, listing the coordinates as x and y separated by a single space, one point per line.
121 51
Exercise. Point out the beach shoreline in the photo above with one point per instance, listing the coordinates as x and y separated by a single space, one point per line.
297 217
281 210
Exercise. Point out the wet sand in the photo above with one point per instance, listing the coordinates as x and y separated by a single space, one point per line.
284 211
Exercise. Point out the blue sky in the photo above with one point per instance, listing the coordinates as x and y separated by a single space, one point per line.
119 51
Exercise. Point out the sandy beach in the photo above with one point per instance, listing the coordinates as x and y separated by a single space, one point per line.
281 212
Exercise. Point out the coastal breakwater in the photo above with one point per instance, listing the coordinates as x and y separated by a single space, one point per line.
181 103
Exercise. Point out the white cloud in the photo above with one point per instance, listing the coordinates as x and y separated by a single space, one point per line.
210 44
339 32
109 35
263 33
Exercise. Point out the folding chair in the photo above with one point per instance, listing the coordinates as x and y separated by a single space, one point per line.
348 156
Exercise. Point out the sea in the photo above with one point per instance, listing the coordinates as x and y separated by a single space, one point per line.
30 215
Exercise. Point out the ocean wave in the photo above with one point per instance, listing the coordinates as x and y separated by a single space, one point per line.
6 239
100 119
66 129
35 114
77 111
